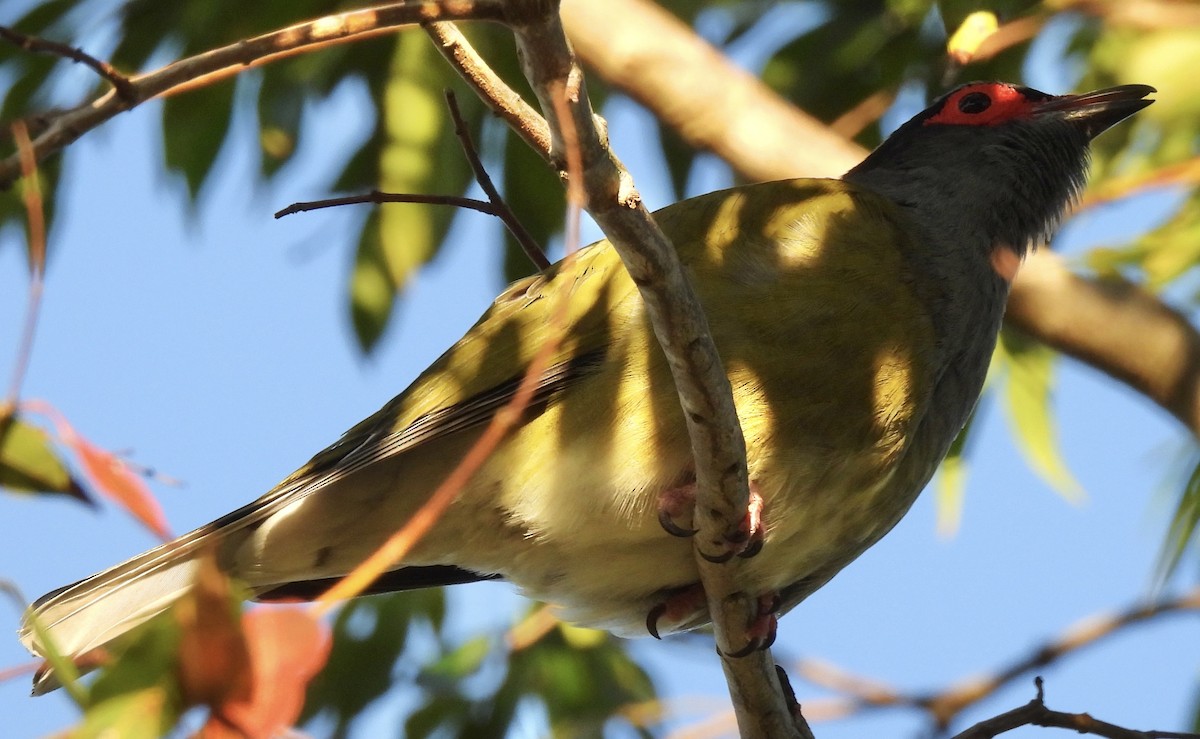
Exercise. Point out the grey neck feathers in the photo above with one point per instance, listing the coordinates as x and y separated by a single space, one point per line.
980 185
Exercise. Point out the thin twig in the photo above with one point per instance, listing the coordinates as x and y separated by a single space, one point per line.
120 82
681 328
1035 713
35 217
377 198
225 61
504 102
528 244
946 704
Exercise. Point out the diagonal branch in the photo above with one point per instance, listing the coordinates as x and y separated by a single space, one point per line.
355 25
682 330
44 46
1036 713
947 704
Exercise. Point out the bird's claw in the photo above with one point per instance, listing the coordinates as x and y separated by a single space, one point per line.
746 540
678 606
676 502
763 629
672 528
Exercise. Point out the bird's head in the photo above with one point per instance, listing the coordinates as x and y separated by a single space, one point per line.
993 161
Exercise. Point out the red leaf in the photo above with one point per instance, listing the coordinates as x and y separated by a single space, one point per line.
214 661
288 646
108 473
113 478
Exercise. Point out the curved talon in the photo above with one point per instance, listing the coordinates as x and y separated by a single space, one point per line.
771 634
652 618
672 528
717 559
738 536
747 650
752 549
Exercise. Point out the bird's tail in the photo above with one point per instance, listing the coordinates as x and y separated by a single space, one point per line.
95 611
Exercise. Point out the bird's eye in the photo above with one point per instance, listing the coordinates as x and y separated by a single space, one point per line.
975 102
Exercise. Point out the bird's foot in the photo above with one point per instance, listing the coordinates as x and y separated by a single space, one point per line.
677 607
763 628
745 540
676 503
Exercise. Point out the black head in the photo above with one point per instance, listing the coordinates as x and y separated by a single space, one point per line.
995 162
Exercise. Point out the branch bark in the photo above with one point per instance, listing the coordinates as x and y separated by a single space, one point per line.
681 327
64 128
652 56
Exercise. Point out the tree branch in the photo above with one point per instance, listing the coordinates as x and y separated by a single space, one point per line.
652 56
682 329
65 127
946 704
43 46
1035 713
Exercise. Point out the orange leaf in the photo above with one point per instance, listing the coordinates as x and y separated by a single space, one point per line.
108 473
113 478
288 646
214 661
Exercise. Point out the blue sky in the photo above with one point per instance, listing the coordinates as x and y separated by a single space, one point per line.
215 345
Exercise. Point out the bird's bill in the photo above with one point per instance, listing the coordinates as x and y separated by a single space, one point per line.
1097 111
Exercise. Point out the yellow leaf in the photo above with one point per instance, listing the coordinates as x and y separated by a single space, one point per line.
974 30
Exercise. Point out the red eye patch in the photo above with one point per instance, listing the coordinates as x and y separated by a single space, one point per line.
982 104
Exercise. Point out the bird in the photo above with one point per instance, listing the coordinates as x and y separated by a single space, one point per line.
855 319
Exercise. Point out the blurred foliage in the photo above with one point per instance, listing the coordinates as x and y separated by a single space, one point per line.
30 463
865 48
1026 370
583 679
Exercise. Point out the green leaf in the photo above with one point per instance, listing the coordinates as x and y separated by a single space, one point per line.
369 636
146 657
459 663
372 292
1182 530
582 687
536 197
1028 384
443 712
952 480
194 128
139 714
30 463
1160 257
137 695
419 155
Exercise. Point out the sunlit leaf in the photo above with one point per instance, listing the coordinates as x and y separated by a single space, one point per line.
111 476
952 481
194 128
1028 385
369 636
214 660
418 143
146 713
1182 530
288 646
970 35
140 679
536 197
29 462
459 663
